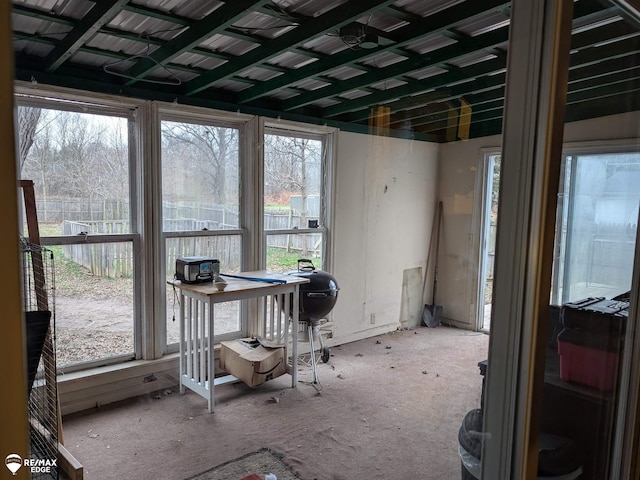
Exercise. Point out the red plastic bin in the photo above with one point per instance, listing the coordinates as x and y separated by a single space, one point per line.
588 366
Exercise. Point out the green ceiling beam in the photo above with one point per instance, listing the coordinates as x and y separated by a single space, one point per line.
618 87
33 38
625 102
41 15
438 23
358 108
416 62
238 33
213 23
411 92
329 21
100 13
611 78
72 77
614 71
157 14
449 52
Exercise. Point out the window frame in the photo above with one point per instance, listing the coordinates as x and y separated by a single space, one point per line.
577 149
187 114
76 102
327 136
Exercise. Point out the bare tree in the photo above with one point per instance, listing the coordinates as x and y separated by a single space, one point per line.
292 164
28 118
206 154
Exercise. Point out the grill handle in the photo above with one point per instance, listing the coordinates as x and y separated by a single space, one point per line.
317 295
305 268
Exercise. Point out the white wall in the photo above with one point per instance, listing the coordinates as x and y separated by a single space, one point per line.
460 164
385 196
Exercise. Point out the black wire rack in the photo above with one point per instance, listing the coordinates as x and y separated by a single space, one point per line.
39 307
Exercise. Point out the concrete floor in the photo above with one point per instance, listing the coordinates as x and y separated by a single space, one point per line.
389 408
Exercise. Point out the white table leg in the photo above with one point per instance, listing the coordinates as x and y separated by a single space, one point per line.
294 335
211 368
182 365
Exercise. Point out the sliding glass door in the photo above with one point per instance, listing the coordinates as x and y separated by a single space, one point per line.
563 375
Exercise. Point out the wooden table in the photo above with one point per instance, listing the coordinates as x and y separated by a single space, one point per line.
277 303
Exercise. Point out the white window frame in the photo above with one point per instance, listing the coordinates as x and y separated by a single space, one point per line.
574 149
79 102
328 137
244 125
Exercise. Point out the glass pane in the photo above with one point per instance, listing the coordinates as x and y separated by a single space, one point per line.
283 251
227 249
79 163
595 237
600 224
93 301
200 182
292 182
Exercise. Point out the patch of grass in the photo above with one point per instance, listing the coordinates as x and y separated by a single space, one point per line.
279 260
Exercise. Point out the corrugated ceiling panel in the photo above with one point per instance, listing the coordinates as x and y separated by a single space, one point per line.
195 9
233 46
426 73
472 58
430 43
309 8
86 58
325 102
310 84
425 7
44 5
32 48
116 44
327 44
195 60
353 94
344 73
483 23
30 25
142 25
231 85
260 74
385 22
260 24
283 94
291 60
388 84
68 8
384 59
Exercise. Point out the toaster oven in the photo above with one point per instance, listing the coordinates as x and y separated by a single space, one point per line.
197 269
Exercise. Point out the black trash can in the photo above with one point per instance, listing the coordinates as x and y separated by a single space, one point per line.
558 458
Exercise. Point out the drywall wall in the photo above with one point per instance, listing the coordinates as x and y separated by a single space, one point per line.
460 168
385 196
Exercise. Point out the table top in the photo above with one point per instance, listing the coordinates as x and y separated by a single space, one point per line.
255 282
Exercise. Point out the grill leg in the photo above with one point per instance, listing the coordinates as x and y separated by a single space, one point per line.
314 365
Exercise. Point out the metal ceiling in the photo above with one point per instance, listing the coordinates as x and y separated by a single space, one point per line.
424 61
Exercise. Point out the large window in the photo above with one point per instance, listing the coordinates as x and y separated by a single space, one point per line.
201 207
80 165
117 213
294 199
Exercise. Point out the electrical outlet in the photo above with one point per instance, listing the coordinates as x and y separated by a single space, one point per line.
372 319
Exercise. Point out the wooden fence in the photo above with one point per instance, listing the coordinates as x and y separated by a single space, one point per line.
116 259
102 259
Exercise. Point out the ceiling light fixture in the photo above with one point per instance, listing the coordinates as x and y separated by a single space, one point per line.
355 35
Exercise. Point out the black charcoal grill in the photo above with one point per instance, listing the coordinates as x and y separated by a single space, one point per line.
317 299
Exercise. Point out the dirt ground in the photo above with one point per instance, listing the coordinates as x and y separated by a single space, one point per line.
89 328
